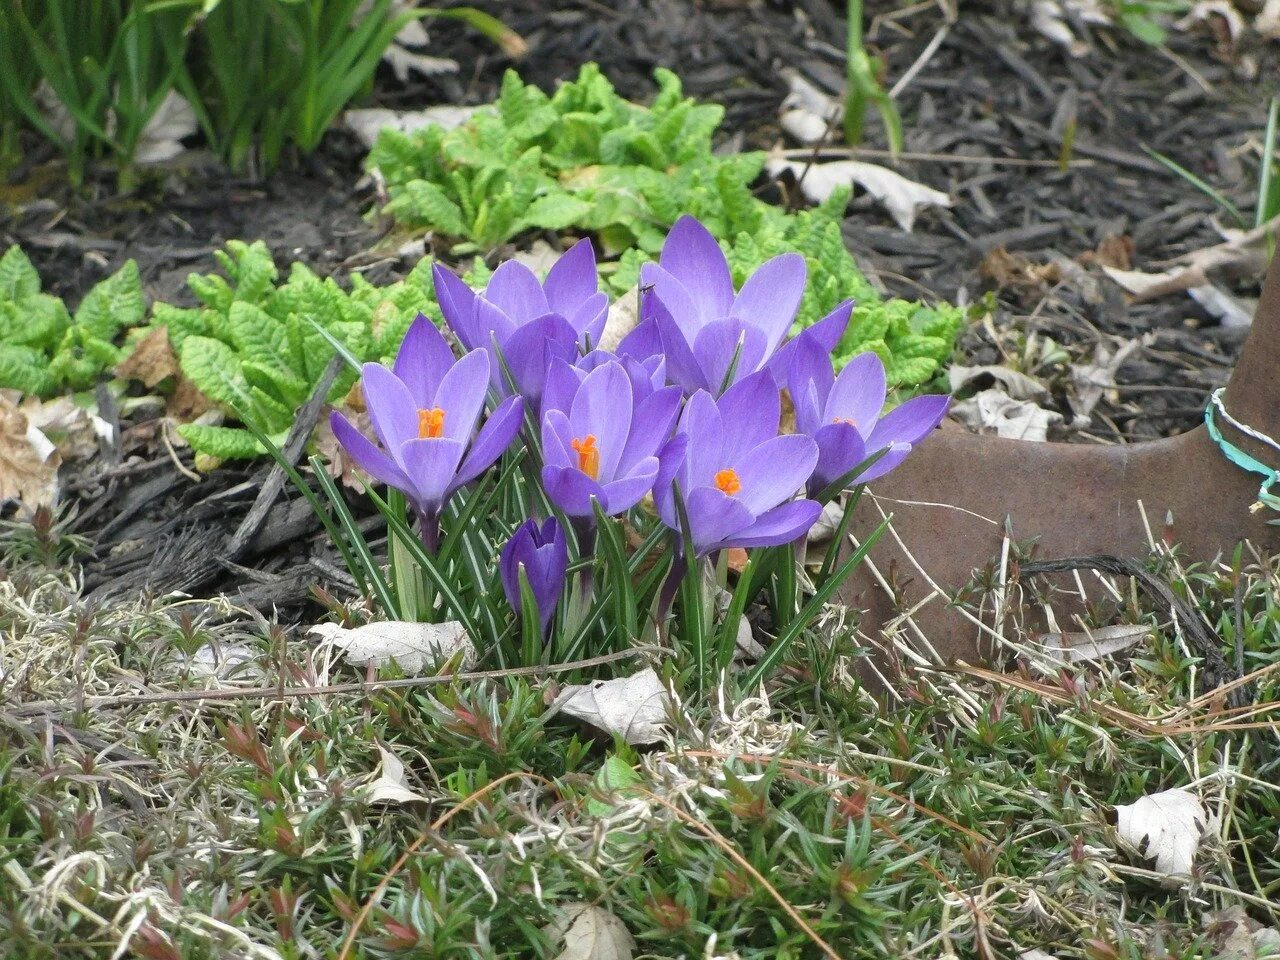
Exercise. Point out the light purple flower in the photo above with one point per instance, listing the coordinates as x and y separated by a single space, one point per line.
543 552
424 412
735 474
601 442
529 322
842 415
698 319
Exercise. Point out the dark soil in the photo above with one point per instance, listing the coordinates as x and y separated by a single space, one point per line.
993 88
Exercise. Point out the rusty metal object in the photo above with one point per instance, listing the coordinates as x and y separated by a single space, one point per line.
952 497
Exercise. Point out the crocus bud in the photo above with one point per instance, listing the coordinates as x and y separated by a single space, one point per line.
544 554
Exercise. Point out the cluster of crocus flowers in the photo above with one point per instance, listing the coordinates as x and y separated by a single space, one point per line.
687 409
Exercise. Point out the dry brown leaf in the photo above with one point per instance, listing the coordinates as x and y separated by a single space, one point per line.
635 707
187 403
152 360
1114 251
28 460
1014 271
70 427
338 463
588 932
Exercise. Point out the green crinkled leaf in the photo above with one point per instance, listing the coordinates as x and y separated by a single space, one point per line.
251 269
555 211
214 368
181 322
114 304
910 371
421 203
39 321
225 443
26 369
256 335
18 278
288 388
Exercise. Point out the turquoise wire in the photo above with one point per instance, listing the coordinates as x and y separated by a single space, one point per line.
1246 462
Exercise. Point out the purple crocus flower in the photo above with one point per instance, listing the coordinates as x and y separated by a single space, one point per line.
602 442
424 412
736 475
543 553
701 323
528 321
842 414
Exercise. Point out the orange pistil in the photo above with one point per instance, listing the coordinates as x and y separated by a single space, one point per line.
588 455
431 423
728 482
849 420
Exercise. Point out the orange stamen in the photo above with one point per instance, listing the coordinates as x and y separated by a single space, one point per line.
430 423
728 482
588 455
849 420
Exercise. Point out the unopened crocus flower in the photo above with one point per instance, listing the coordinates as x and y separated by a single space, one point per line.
602 443
543 553
709 333
564 378
424 412
842 415
526 321
735 474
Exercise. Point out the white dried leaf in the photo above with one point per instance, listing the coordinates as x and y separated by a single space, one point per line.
1166 827
28 459
590 933
995 412
414 646
903 198
1091 381
1267 22
1016 384
404 61
391 785
540 257
1222 305
1036 955
1080 645
162 137
1206 10
634 708
367 124
73 429
807 113
1053 20
220 660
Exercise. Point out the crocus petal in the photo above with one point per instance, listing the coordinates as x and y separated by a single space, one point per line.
625 493
557 439
589 320
650 426
682 366
671 466
692 256
461 395
771 296
571 279
897 453
713 517
642 342
809 381
662 288
774 471
458 305
561 384
392 411
826 333
367 455
492 440
750 411
528 352
702 423
423 360
783 524
840 449
858 393
515 291
911 422
432 464
572 490
720 342
602 408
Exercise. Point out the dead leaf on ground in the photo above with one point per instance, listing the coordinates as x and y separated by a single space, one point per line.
162 137
1081 645
635 708
1166 827
589 932
28 460
414 646
1113 251
1056 21
1267 22
73 429
187 404
1013 271
1016 384
1090 382
338 463
807 113
901 197
994 412
368 123
1235 935
151 361
391 785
